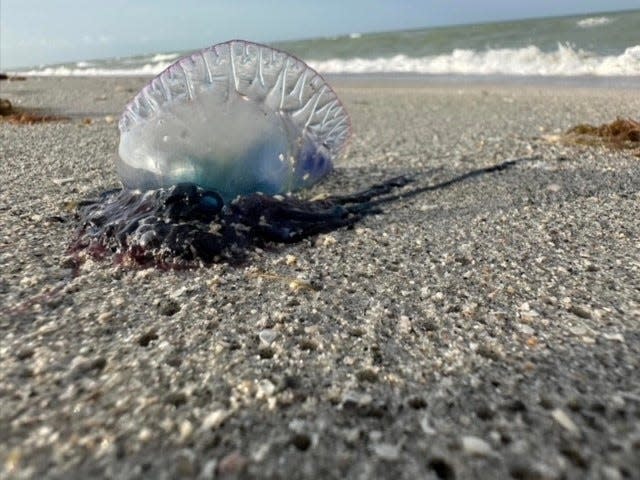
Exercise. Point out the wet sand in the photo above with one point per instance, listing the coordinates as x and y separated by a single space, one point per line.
488 328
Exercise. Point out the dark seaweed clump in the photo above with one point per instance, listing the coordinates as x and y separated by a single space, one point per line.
185 225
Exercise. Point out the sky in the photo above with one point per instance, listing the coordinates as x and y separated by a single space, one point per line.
38 32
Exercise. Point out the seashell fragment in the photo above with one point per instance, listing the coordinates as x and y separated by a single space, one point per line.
236 118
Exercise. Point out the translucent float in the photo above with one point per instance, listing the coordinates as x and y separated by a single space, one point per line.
236 118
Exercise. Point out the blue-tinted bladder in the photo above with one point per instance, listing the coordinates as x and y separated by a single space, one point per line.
237 118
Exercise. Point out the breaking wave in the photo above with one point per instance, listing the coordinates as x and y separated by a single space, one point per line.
531 60
65 71
593 22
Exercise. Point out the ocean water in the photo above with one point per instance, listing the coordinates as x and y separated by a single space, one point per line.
605 44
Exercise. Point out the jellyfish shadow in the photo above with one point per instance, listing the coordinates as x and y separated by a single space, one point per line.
185 225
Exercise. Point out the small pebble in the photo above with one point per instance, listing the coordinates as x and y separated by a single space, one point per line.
611 473
81 365
267 336
63 181
387 451
290 260
298 285
578 330
526 329
144 435
209 469
215 419
617 402
12 461
232 464
524 469
265 389
476 446
565 421
325 240
352 435
426 426
580 311
529 316
353 399
105 317
186 429
616 337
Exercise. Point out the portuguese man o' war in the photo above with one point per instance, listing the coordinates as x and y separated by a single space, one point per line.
235 118
209 151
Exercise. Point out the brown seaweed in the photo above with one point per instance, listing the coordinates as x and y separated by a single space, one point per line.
18 116
621 134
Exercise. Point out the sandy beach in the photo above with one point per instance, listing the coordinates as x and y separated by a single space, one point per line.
489 328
